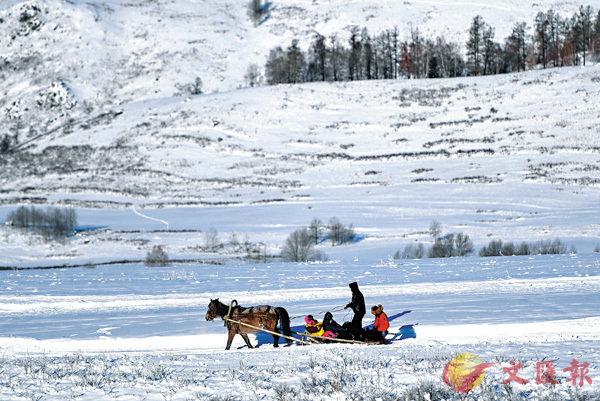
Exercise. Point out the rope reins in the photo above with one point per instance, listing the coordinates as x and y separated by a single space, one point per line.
336 309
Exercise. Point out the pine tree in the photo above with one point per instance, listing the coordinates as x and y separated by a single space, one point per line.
516 47
367 53
597 34
541 37
296 63
354 64
554 37
335 58
434 67
319 50
584 25
572 30
395 49
416 53
489 50
276 67
474 44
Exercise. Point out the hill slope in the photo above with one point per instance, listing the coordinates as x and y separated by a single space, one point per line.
62 60
287 142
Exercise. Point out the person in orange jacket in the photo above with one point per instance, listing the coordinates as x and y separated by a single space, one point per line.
380 326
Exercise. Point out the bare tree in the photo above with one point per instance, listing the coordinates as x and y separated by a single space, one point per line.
253 76
338 233
316 229
211 240
435 229
299 247
462 245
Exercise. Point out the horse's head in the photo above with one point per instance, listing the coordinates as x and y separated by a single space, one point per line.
212 311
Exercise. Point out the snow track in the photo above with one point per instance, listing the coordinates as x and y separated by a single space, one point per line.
535 333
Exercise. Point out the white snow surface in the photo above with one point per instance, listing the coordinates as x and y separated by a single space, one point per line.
103 321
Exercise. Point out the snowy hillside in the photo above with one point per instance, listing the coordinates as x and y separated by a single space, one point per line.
64 60
306 141
512 157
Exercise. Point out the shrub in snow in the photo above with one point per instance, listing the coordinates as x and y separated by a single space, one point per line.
193 88
14 110
443 247
51 222
453 244
446 246
299 247
211 240
543 247
30 19
257 251
5 144
462 245
58 95
427 391
338 233
157 256
253 76
548 247
411 251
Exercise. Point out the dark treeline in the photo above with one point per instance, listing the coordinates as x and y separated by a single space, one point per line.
552 41
52 222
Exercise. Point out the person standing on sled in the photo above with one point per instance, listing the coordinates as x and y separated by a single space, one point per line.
358 307
380 326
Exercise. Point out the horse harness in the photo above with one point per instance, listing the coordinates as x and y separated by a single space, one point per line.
262 312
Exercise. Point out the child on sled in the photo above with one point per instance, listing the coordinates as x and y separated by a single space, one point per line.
315 328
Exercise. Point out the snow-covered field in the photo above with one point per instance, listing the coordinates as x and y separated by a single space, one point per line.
133 332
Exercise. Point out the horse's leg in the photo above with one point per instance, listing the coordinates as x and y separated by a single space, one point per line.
273 327
246 339
231 334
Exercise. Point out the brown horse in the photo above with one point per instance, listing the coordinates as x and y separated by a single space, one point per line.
264 317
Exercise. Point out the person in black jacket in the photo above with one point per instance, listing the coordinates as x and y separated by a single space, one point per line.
358 307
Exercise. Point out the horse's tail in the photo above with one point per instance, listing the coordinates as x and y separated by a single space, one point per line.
284 321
